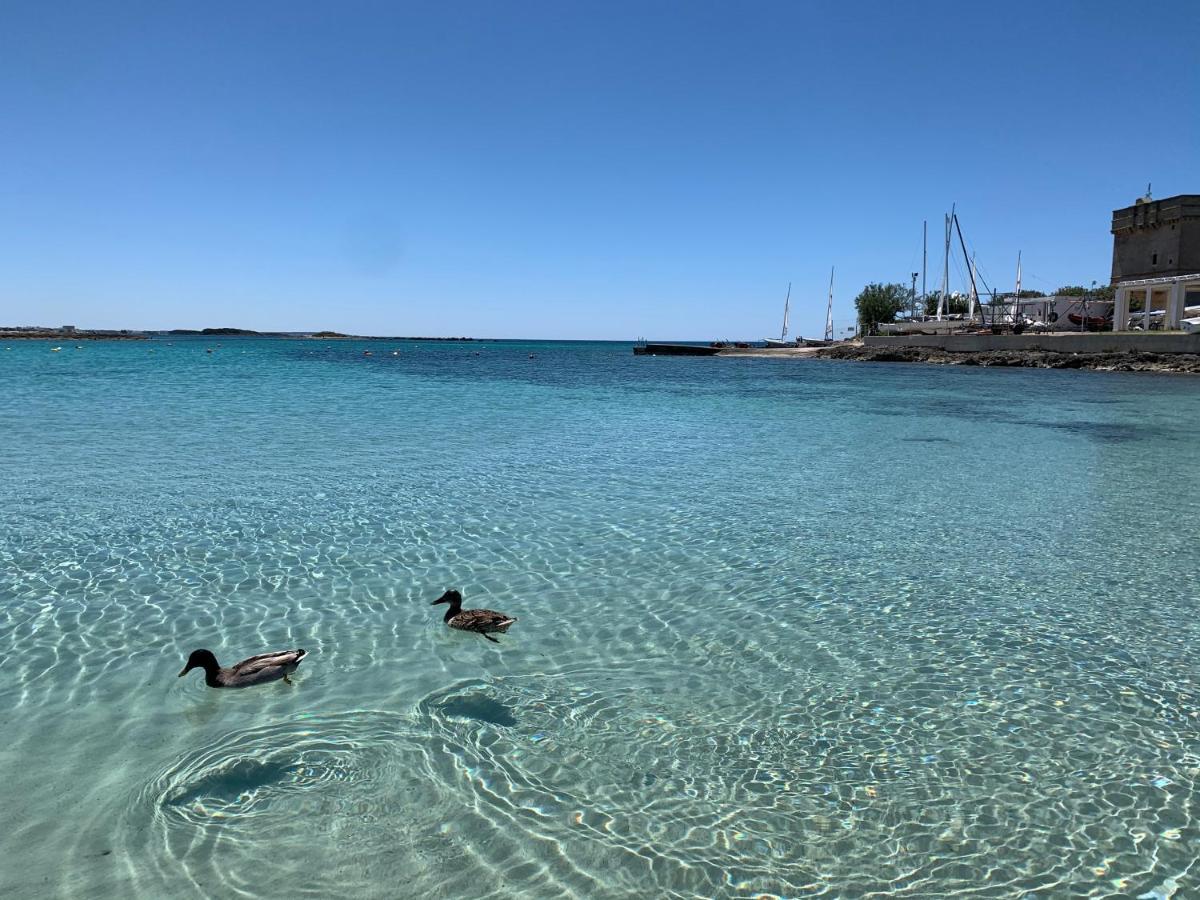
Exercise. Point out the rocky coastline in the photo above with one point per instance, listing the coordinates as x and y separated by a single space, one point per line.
1136 361
55 334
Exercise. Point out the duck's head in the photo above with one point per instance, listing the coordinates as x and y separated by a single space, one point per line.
454 598
200 659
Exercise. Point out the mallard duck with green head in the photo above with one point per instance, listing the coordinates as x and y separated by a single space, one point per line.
249 672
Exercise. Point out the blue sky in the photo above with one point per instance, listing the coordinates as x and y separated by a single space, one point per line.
566 169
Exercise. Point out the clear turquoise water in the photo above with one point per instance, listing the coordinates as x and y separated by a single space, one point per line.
786 627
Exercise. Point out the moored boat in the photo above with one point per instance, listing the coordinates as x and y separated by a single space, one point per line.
1091 323
782 340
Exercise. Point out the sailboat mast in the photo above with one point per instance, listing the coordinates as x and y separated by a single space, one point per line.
1017 296
924 259
829 309
941 307
962 243
974 295
949 226
786 302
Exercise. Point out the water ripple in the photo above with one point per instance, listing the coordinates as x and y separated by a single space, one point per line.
785 629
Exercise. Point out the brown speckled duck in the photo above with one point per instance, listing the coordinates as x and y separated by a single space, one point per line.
255 670
482 621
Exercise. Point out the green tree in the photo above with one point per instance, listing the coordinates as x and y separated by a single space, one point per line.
878 303
954 303
1107 292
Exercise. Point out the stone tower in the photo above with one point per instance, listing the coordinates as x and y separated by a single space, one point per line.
1156 238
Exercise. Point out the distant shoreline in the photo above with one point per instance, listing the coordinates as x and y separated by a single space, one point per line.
72 334
34 334
336 336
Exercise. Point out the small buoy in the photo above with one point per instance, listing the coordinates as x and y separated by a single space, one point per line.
395 353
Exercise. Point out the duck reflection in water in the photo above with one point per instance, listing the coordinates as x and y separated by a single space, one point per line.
479 707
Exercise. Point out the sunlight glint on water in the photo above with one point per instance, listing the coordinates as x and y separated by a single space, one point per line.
786 627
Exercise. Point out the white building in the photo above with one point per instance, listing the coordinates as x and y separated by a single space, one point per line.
1164 300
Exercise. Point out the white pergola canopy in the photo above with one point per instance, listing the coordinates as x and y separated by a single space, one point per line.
1175 287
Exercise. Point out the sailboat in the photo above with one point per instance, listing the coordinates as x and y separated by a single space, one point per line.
828 339
782 340
829 311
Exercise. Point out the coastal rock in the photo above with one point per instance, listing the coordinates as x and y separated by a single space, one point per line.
1188 363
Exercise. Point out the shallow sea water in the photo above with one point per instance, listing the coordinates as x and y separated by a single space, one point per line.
787 628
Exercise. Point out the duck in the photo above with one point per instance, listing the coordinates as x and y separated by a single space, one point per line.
482 621
255 670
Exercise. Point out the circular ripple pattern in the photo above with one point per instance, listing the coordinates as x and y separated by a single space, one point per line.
244 816
839 795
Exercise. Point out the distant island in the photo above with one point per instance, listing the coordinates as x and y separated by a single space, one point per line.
223 332
323 335
70 332
337 335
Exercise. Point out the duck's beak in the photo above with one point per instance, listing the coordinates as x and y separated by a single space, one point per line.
186 669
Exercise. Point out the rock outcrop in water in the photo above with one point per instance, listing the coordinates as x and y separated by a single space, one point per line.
1188 363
